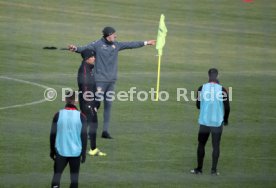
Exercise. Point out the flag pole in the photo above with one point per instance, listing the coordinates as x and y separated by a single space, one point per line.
158 78
160 42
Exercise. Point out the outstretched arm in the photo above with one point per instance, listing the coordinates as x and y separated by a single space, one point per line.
137 44
79 49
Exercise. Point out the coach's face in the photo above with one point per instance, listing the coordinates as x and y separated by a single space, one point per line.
112 38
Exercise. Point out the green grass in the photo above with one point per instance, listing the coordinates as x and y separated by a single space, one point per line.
155 142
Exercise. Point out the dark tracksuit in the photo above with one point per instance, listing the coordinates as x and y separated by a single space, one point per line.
106 66
87 86
61 161
216 132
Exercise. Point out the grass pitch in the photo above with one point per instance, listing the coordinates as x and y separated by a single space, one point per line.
155 142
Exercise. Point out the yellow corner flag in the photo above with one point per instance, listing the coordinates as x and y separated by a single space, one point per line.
160 43
161 36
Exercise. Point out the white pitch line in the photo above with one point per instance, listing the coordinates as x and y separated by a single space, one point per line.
25 82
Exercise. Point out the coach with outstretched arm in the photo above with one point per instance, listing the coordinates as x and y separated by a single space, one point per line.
106 65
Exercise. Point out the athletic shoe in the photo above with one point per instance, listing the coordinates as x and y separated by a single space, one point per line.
215 173
196 171
96 152
106 135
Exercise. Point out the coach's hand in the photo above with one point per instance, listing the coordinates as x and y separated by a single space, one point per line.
225 123
151 42
53 155
72 48
83 157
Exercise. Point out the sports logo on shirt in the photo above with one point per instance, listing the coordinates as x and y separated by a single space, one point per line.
104 46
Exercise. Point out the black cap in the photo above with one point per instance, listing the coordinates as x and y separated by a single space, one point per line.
108 31
85 54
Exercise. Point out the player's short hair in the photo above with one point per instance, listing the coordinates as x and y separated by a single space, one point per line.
213 73
70 97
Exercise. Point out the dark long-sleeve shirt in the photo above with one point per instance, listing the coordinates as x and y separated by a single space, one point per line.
86 80
86 83
53 132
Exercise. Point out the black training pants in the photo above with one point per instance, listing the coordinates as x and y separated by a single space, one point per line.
203 135
60 164
88 109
